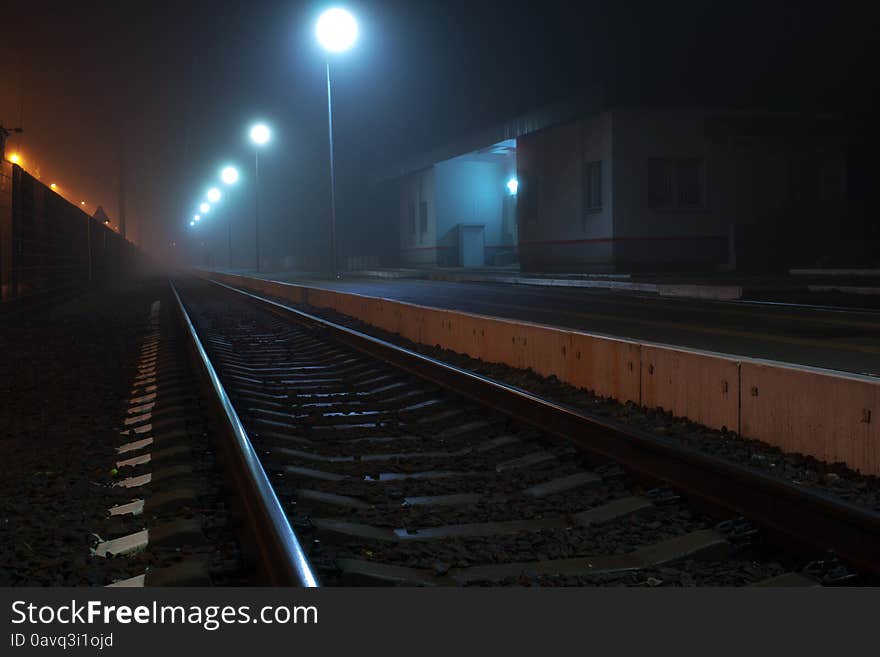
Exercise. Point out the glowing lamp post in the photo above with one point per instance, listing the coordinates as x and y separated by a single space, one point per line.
204 208
336 31
260 135
229 176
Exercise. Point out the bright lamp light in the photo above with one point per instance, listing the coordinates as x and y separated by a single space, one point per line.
336 30
229 175
513 186
197 217
192 223
214 195
260 134
204 208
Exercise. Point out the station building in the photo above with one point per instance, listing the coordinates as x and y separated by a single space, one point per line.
588 190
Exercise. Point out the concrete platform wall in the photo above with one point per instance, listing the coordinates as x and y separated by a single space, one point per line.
829 415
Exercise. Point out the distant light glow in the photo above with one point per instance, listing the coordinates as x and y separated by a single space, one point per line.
197 217
15 158
260 134
82 202
513 186
204 208
214 195
53 187
229 175
336 30
192 223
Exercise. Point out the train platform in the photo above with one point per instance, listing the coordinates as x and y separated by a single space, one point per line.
815 335
858 288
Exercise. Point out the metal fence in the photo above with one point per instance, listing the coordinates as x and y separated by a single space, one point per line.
48 246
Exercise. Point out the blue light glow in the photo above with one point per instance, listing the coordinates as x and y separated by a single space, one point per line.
512 186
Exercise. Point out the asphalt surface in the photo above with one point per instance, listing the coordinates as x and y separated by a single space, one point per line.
833 338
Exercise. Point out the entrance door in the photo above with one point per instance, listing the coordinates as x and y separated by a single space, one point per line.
471 245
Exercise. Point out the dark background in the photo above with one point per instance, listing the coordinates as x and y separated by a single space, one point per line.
178 84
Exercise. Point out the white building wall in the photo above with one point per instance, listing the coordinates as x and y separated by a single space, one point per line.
418 242
556 229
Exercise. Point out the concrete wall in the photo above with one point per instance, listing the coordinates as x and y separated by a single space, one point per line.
556 230
418 247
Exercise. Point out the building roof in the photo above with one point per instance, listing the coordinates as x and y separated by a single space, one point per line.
533 121
754 121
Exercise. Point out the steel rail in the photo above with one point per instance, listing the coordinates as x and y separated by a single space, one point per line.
269 541
804 516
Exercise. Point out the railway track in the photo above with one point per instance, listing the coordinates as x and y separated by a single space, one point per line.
361 462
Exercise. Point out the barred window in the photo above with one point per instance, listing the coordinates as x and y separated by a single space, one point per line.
676 183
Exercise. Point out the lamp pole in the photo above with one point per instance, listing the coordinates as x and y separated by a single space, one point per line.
333 260
260 135
336 30
229 176
257 207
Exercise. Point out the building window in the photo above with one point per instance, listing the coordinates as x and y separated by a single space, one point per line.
423 217
592 172
677 183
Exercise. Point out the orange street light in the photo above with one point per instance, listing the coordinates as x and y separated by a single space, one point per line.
15 158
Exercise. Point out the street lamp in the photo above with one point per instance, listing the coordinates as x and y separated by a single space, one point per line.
229 176
260 135
336 31
204 208
214 195
198 217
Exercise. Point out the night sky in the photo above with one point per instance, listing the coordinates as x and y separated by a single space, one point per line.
178 83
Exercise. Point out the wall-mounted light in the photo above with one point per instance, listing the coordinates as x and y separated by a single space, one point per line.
512 186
